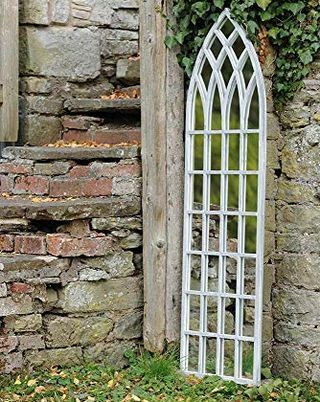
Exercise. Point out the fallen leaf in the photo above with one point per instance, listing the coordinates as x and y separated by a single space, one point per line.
39 389
30 383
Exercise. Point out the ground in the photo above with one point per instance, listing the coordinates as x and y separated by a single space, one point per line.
148 378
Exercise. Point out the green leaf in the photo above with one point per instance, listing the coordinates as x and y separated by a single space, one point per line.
273 33
218 3
252 27
263 3
306 57
170 41
266 372
180 37
295 8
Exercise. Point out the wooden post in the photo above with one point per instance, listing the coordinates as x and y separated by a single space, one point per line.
9 70
162 160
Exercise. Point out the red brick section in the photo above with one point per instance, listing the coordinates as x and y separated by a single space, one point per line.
80 122
79 171
67 246
15 168
77 135
104 136
117 137
30 244
80 188
37 185
21 288
6 242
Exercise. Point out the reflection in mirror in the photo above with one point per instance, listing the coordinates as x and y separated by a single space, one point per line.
247 359
233 192
252 161
215 146
228 361
199 112
194 321
206 73
195 272
197 191
234 152
251 235
215 188
252 193
196 239
216 113
211 349
234 119
254 111
198 141
193 353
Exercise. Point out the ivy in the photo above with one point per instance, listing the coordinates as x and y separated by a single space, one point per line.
293 30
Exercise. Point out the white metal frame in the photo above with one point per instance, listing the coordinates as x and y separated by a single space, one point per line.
226 92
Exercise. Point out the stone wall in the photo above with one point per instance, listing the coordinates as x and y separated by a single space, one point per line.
70 255
296 297
74 49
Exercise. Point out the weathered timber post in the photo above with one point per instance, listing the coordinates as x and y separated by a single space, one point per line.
9 70
162 159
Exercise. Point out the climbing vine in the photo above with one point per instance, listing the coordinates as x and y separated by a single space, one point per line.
291 27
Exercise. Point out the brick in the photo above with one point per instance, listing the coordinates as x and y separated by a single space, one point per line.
80 122
34 244
15 168
6 184
6 242
31 185
21 288
76 228
67 246
52 169
79 171
117 136
81 188
77 135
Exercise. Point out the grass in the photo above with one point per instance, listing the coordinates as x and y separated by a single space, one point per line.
148 378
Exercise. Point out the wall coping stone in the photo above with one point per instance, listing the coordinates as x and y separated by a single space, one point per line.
79 208
66 153
102 105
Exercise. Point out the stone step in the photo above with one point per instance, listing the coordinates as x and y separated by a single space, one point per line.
84 105
68 153
69 209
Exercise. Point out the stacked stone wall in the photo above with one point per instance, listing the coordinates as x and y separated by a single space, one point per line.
296 299
74 49
70 255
